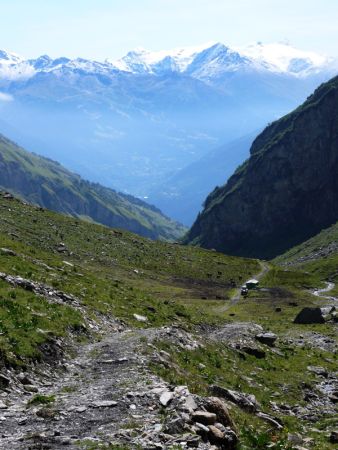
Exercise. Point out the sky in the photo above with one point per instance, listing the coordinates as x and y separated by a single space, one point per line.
100 29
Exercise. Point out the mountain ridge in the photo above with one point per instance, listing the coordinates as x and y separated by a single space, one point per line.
47 183
274 201
275 57
134 132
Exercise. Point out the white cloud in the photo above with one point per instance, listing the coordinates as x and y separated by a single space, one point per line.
5 97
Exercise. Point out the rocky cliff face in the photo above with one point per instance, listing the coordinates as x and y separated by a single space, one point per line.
48 184
285 192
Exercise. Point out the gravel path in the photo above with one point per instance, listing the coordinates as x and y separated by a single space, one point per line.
106 389
236 297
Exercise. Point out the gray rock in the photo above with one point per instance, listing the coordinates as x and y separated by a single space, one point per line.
253 351
334 437
140 318
226 439
202 427
175 426
3 405
318 371
104 404
244 401
166 398
31 388
24 379
4 381
7 252
189 404
266 338
295 439
272 420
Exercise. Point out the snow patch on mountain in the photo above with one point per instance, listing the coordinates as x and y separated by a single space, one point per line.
281 57
144 61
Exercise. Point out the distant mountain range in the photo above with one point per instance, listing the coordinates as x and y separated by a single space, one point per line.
286 192
138 123
46 183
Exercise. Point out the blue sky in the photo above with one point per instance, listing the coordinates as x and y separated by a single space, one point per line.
109 28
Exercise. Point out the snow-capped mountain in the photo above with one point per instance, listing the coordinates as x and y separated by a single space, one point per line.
284 58
203 62
133 124
214 59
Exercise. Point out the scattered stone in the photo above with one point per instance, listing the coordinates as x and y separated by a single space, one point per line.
202 427
226 439
215 435
244 401
4 381
81 409
295 439
7 252
253 351
193 441
31 388
24 379
204 417
190 404
318 371
334 437
218 407
140 318
68 263
3 405
166 398
104 404
61 248
266 338
8 196
175 426
334 397
272 420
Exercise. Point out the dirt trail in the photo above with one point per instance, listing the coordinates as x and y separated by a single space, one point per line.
265 268
107 394
104 389
329 287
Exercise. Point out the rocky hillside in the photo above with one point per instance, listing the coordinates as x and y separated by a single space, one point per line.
48 184
322 246
286 192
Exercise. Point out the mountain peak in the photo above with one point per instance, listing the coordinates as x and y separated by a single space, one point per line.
9 57
283 57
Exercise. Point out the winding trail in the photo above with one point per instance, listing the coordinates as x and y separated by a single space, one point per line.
329 287
265 268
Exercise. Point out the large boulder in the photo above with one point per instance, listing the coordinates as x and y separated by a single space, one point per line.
314 315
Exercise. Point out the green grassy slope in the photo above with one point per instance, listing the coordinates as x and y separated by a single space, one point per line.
112 272
48 184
